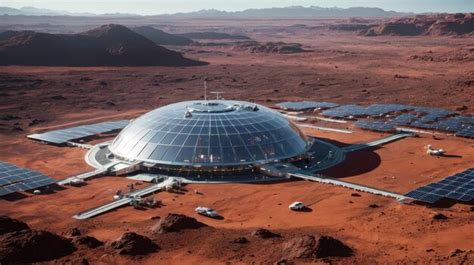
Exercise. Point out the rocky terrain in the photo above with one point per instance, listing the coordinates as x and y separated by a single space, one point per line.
434 25
269 47
20 244
210 35
109 45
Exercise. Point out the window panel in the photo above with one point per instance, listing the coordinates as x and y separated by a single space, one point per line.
185 155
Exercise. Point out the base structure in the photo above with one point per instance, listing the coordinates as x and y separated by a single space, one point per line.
320 156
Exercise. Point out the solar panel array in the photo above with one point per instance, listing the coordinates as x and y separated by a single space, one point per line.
345 111
412 116
458 187
14 179
431 114
65 135
304 105
386 125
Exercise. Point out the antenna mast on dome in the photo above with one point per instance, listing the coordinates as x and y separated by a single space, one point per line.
205 91
217 93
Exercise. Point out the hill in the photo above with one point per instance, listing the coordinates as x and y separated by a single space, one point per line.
108 45
160 37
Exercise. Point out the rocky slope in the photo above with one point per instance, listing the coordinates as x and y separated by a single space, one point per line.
109 45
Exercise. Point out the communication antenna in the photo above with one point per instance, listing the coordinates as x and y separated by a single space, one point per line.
205 91
217 93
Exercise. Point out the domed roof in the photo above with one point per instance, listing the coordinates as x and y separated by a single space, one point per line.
214 133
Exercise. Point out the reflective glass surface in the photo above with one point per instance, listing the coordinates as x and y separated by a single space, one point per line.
223 133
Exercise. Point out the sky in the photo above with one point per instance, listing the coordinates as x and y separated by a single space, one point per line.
150 7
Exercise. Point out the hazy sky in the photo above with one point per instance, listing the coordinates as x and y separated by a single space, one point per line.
172 6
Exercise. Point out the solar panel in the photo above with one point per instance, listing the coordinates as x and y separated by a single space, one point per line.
374 110
457 187
404 119
380 126
3 192
468 131
344 111
65 135
304 105
14 179
383 109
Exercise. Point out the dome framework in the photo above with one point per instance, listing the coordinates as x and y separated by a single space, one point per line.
210 134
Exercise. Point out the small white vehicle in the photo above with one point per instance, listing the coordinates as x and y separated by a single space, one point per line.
434 152
206 211
296 206
77 182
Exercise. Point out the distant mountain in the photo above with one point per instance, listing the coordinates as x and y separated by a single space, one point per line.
160 37
275 12
33 11
210 35
10 11
296 12
109 45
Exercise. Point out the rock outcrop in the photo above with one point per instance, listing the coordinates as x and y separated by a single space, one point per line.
175 223
310 247
134 244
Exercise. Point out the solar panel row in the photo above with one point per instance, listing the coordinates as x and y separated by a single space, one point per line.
404 119
420 117
466 132
304 105
385 125
457 187
374 110
380 126
14 179
65 135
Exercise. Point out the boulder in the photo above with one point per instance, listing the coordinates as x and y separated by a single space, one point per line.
310 247
240 240
74 232
175 223
134 244
28 246
88 241
439 216
8 225
264 233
